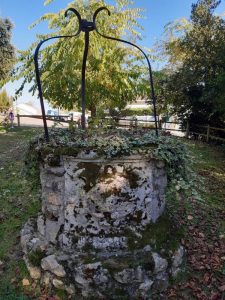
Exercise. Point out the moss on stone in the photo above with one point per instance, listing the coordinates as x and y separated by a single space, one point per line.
120 294
89 258
163 234
53 160
132 179
89 174
35 257
118 263
129 261
62 294
88 247
59 150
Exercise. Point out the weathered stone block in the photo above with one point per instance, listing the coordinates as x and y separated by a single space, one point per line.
35 272
52 229
161 264
54 199
97 226
50 264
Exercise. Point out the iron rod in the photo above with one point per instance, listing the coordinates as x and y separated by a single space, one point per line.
37 72
83 82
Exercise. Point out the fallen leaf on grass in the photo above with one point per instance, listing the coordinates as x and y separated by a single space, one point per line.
13 280
43 297
34 285
206 278
25 282
222 288
215 296
172 293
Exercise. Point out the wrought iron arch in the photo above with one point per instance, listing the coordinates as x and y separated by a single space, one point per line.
86 27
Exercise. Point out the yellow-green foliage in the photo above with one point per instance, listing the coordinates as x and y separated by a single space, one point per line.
5 101
113 75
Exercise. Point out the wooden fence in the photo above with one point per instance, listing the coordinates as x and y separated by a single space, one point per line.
59 118
205 132
131 122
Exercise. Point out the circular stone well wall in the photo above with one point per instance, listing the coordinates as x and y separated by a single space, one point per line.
96 237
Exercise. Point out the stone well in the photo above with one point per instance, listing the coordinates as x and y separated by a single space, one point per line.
96 237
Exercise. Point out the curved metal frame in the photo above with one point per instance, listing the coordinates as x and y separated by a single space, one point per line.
87 27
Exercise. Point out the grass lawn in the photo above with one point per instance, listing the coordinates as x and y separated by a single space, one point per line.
18 201
203 221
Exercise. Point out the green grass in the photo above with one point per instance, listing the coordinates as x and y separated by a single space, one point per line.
209 163
10 288
18 202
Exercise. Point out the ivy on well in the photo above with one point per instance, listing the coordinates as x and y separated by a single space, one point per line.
112 143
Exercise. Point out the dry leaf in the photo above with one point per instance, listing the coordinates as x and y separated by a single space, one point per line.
25 282
222 288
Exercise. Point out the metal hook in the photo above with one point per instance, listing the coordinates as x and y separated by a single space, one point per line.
78 16
96 14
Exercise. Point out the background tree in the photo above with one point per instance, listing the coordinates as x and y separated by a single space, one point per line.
7 51
5 101
115 73
194 86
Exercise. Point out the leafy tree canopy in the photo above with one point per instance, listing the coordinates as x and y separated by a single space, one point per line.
115 72
195 77
7 51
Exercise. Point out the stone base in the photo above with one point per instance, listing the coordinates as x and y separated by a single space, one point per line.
102 233
129 272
